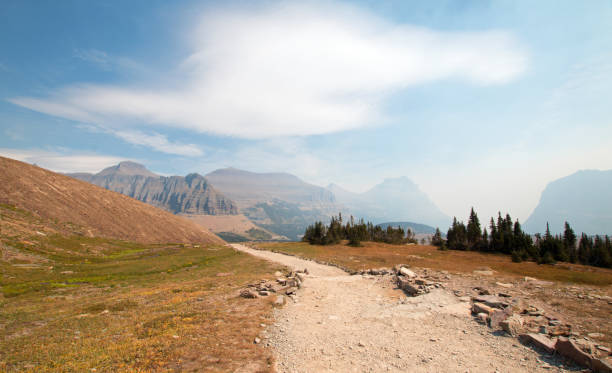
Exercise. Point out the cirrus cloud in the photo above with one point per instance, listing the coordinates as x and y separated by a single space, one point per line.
292 69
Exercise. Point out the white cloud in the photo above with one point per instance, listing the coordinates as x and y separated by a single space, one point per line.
158 142
61 161
291 69
94 56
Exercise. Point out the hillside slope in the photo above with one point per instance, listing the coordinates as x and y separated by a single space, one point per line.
191 194
93 211
584 199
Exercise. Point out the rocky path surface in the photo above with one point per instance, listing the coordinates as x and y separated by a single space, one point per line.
343 323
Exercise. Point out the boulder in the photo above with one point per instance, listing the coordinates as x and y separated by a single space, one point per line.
406 272
496 317
481 308
538 340
513 325
570 350
407 287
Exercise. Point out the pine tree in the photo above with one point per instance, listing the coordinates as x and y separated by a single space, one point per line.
473 230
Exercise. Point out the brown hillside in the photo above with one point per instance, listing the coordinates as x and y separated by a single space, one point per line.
97 211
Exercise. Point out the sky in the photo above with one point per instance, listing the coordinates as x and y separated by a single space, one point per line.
480 103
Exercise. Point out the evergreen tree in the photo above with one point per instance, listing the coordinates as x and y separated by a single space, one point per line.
569 242
437 240
473 230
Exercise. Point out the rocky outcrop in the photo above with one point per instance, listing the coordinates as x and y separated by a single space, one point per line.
534 327
192 194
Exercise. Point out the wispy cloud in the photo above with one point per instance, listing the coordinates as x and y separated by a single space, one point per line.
61 161
94 56
291 69
154 140
159 142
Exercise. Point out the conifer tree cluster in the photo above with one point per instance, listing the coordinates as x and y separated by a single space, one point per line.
354 232
507 237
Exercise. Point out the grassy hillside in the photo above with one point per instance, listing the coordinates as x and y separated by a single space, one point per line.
70 302
96 211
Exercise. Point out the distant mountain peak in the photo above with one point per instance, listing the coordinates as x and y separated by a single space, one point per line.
583 199
127 168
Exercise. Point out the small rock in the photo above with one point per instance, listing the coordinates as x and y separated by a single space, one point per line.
360 344
280 300
246 293
595 335
256 340
504 285
604 349
482 318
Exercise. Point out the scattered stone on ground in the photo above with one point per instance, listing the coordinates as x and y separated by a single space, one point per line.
363 323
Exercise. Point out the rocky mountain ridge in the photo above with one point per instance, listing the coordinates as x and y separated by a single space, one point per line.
191 194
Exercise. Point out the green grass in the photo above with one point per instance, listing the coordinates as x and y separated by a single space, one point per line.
117 306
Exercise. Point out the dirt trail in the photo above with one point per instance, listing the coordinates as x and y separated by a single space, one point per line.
343 323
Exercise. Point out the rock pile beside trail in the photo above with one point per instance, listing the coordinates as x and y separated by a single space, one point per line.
413 284
283 285
534 327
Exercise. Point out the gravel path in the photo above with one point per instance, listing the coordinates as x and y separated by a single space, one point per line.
343 323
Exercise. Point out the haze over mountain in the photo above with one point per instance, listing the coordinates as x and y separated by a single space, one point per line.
395 199
91 210
584 199
416 228
191 194
279 202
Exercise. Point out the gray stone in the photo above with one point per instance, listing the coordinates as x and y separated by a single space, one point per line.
601 366
406 272
513 325
539 341
569 349
491 301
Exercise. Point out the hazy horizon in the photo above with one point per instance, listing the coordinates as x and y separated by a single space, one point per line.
479 103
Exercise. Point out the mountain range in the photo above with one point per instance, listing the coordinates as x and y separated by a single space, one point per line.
279 202
191 194
583 199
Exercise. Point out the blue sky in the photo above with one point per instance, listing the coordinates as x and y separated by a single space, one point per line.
480 103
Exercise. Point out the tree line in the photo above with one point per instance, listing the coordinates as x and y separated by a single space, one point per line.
507 237
355 232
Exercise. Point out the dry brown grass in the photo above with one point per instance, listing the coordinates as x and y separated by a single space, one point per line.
71 303
96 211
373 255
